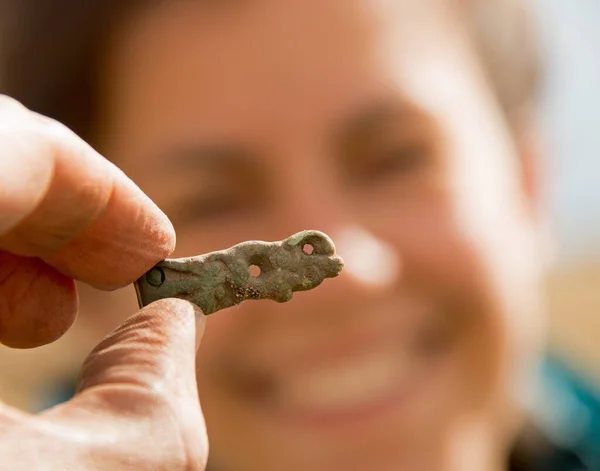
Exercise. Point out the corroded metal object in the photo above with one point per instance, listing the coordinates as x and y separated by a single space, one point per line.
250 270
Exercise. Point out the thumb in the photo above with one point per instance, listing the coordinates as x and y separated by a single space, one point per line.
137 406
154 349
137 391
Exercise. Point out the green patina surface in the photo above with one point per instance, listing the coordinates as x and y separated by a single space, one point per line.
222 279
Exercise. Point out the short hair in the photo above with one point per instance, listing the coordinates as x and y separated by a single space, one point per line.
50 51
507 41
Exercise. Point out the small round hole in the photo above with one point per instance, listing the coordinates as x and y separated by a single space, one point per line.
156 277
254 271
308 249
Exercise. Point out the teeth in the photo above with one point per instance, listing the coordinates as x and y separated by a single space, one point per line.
350 384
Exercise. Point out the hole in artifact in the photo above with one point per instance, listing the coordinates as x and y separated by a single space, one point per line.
308 249
156 277
254 271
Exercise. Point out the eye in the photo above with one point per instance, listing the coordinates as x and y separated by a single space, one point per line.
155 277
396 160
386 158
214 206
206 208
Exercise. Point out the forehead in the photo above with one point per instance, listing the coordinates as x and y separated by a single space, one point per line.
223 61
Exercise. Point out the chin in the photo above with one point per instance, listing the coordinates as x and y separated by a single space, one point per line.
400 426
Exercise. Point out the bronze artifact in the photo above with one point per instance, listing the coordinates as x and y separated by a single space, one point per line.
250 270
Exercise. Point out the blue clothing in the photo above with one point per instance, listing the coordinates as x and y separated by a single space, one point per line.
569 412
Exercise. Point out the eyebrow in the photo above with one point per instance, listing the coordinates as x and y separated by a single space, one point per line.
227 155
214 156
370 117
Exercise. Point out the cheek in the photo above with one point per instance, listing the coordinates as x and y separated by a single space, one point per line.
468 278
224 332
229 337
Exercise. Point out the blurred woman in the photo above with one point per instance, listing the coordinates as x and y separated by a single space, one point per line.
401 129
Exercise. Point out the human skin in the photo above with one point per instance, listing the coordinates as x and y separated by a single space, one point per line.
372 122
66 213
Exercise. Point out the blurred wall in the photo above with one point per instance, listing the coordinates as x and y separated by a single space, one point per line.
574 317
571 118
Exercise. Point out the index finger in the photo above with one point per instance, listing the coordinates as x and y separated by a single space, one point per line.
64 203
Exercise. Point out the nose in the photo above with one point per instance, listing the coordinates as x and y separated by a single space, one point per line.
342 307
313 198
369 260
309 198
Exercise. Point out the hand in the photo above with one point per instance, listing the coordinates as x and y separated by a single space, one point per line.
136 406
66 213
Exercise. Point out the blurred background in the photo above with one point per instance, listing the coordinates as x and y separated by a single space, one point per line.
570 114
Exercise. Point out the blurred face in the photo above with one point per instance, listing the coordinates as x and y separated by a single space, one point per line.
370 121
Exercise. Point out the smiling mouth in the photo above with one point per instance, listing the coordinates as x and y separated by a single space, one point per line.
352 387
